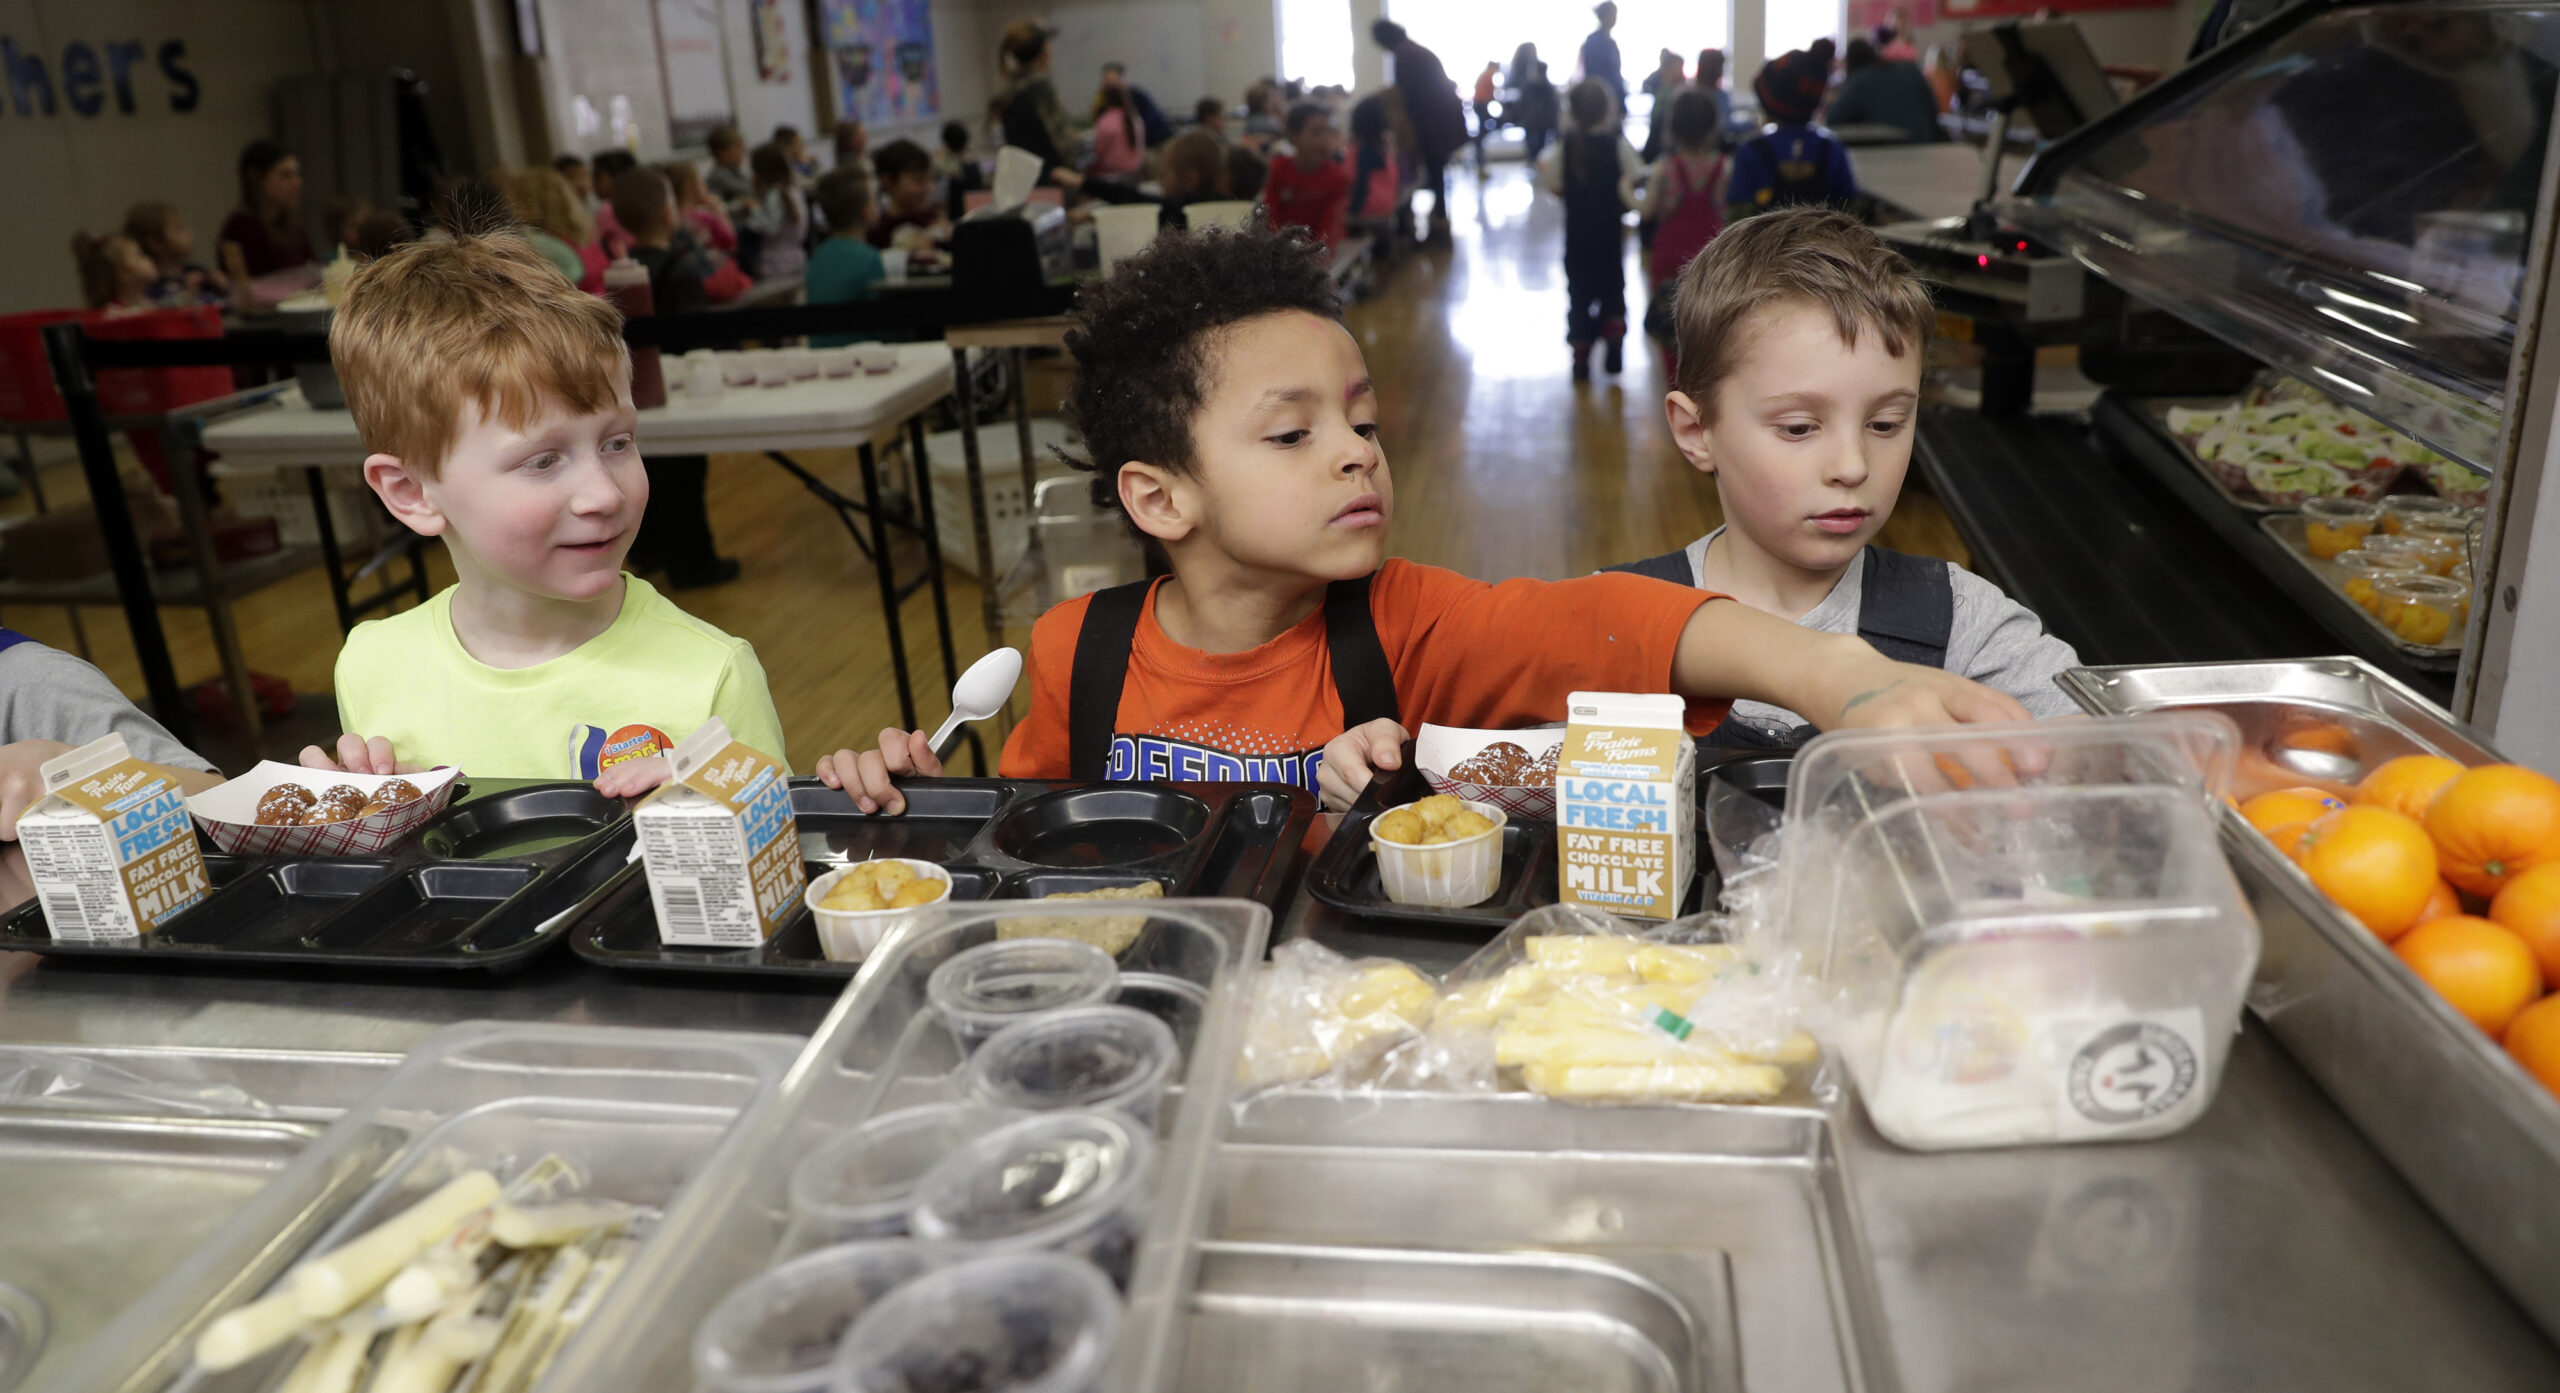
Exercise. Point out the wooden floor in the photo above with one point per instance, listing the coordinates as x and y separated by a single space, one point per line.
1504 467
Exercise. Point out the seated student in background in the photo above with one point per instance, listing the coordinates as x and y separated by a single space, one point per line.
1194 170
496 401
607 166
548 212
704 215
177 277
1210 116
909 216
1877 91
52 703
845 266
1247 171
1792 164
573 168
779 217
1229 415
1801 337
114 274
796 150
675 535
852 144
955 171
1311 186
727 178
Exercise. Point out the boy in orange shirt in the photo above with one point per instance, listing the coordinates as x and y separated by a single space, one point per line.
1237 429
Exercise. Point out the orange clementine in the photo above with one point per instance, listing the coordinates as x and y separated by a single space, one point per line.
2533 1037
2529 908
2444 903
2494 823
2481 970
2407 784
2291 839
2375 864
2285 806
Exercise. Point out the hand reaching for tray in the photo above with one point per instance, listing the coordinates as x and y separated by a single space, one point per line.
867 775
357 755
633 777
1352 758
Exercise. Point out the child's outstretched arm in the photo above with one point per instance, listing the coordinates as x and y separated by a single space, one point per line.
1352 758
867 774
1833 680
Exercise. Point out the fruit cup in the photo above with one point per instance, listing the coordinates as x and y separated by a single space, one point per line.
2453 536
2401 509
2365 567
2334 525
2423 609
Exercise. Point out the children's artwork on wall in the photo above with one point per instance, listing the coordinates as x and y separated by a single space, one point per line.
881 55
773 40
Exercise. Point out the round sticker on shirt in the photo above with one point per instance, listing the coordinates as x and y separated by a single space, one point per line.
594 750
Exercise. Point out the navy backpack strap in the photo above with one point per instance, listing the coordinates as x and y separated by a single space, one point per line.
1361 676
1101 667
1907 607
1672 566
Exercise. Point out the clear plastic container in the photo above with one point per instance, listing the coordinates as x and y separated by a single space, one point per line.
2401 509
1063 1182
989 987
862 1184
1107 1058
2423 609
780 1333
2334 525
1454 874
2028 932
1029 1324
2365 567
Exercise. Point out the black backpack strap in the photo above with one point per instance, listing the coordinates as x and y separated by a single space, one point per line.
1101 667
1672 566
1907 607
1361 676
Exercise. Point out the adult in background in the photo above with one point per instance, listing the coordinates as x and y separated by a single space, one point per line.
1027 108
1431 104
265 234
1879 93
1600 61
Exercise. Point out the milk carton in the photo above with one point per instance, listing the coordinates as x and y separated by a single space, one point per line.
1626 811
110 846
722 848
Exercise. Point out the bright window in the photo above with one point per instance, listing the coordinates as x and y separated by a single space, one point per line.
1467 34
1315 42
1796 23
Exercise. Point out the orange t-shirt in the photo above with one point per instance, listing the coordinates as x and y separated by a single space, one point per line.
1464 653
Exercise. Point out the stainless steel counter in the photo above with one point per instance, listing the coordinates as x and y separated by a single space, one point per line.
2268 1247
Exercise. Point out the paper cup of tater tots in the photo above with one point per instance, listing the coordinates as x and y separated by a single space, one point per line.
857 905
1440 851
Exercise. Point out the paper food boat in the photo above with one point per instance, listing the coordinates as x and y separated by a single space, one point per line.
229 812
1439 749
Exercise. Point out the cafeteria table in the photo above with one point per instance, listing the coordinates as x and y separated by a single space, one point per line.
859 412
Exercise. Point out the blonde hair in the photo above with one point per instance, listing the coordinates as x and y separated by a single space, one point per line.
101 271
478 319
540 196
1798 256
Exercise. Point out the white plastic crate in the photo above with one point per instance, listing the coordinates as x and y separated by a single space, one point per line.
1000 465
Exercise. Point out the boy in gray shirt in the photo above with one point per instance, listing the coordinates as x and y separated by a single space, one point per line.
52 703
1797 359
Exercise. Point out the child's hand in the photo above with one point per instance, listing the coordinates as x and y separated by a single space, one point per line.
1350 757
866 775
1866 690
22 779
634 777
357 755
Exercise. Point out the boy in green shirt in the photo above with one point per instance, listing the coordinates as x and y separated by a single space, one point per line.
496 400
845 266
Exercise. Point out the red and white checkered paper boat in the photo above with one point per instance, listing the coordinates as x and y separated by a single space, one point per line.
229 813
1439 749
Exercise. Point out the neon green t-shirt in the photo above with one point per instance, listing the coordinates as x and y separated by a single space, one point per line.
628 693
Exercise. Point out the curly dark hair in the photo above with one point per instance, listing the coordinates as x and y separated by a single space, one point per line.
1141 338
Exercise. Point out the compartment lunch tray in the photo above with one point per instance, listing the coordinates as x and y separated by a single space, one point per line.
1345 873
2285 530
487 885
1001 839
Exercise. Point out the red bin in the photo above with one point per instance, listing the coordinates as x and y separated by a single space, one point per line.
27 392
141 391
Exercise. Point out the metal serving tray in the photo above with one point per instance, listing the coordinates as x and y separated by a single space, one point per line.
1506 1241
883 1048
2471 1132
2154 412
641 1111
2286 530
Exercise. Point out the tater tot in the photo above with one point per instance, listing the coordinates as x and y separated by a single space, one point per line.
890 877
1438 808
1400 825
918 890
1466 822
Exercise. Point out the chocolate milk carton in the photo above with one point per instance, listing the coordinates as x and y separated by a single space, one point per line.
110 846
722 848
1626 806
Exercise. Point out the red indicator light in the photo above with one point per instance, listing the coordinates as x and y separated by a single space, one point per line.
1982 261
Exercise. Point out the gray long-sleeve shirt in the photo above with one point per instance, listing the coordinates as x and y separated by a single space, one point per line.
1994 640
47 694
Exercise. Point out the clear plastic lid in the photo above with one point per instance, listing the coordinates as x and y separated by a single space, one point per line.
1033 1323
1045 1182
780 1333
861 1184
1114 1058
984 989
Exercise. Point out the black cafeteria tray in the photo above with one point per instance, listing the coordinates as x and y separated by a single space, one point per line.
1345 873
485 886
1001 839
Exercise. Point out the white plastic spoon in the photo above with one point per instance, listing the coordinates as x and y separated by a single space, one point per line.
981 692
